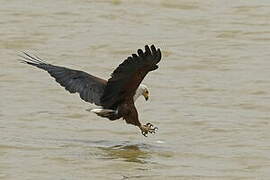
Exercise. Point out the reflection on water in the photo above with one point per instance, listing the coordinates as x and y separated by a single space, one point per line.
111 150
129 153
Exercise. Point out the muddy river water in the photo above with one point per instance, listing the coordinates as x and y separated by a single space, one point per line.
210 97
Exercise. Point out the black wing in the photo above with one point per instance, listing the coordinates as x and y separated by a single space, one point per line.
89 87
127 76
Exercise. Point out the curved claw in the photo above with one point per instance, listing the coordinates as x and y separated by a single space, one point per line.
144 134
148 128
150 125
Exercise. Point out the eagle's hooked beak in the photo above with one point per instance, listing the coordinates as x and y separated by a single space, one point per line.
146 95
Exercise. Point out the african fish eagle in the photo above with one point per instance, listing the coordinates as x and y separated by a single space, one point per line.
117 95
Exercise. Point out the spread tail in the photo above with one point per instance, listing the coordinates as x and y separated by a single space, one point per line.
106 113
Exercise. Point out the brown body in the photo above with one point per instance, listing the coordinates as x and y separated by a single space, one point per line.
129 112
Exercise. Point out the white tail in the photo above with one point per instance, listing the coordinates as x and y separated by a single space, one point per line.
103 112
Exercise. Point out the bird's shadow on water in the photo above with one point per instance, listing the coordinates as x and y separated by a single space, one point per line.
124 151
137 153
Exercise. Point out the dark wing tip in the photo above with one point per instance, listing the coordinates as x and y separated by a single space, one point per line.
153 52
159 55
153 49
34 60
147 50
134 55
140 52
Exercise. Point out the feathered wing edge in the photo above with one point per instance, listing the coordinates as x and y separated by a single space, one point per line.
126 78
89 87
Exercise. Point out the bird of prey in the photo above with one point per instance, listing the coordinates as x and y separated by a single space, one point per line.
115 96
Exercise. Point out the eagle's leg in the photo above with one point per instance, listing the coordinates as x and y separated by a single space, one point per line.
148 128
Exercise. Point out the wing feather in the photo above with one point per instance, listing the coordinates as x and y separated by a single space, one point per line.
126 78
89 87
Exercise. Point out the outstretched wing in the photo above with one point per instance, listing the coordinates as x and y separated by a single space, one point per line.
89 87
127 76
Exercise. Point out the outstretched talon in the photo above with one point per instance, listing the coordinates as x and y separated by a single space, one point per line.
148 128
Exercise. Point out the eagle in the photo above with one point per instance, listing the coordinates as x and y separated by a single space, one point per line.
115 96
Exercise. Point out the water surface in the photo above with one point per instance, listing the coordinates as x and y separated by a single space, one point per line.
209 98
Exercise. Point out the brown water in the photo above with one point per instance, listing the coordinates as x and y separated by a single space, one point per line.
210 97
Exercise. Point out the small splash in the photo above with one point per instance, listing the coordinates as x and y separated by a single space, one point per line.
160 142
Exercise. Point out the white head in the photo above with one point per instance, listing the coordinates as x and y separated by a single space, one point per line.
142 91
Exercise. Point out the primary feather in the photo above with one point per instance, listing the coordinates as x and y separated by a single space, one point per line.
126 78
